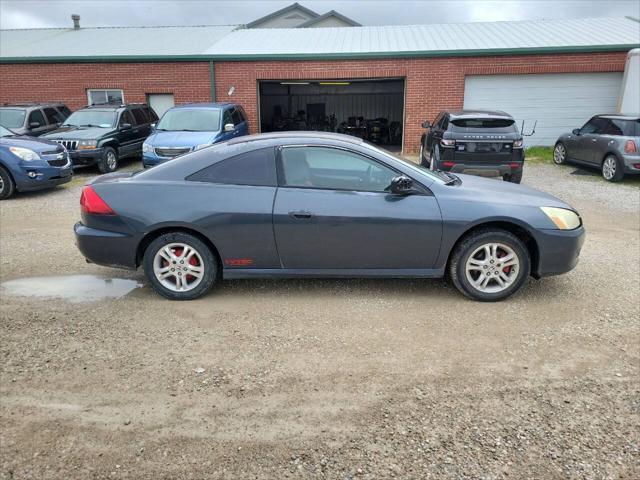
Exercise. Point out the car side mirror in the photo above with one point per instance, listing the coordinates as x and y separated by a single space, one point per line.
34 124
229 127
426 125
576 131
125 126
401 185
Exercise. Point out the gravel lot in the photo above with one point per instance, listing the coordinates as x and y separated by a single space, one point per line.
324 379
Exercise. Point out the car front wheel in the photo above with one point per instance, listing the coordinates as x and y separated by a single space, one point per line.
559 154
612 169
490 265
7 187
180 266
109 161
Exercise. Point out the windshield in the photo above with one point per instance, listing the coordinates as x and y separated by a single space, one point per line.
92 118
436 175
190 120
5 132
12 117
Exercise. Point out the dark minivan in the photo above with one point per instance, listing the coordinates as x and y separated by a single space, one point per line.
103 134
477 142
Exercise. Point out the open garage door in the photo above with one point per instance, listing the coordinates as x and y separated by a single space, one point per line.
369 109
559 102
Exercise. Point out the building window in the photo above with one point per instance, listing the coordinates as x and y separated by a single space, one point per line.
100 97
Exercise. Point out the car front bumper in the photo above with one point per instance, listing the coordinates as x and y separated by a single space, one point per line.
30 176
558 251
85 157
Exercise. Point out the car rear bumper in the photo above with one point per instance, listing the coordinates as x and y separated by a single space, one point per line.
481 164
106 248
559 251
631 164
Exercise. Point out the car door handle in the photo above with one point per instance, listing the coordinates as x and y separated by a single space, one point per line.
301 215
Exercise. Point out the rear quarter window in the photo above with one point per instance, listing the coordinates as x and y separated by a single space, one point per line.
257 168
12 117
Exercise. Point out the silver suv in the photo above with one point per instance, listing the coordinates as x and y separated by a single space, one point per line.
33 119
608 142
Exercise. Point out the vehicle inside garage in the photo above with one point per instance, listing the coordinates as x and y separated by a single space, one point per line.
369 109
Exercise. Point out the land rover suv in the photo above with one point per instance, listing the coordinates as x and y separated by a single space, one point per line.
477 142
33 119
103 134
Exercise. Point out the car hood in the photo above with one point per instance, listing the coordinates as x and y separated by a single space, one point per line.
180 139
490 190
38 145
78 133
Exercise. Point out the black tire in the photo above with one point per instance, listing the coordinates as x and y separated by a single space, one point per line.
612 169
559 154
476 240
109 161
7 185
209 262
422 162
513 178
433 164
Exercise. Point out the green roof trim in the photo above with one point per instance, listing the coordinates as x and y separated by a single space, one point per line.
326 56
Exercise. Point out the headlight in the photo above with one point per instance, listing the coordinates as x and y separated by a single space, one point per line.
147 148
24 153
562 218
202 145
87 144
517 143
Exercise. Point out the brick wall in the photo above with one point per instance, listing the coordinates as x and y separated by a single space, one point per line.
432 84
188 81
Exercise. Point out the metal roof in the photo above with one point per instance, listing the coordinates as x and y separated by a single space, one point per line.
110 41
227 42
589 34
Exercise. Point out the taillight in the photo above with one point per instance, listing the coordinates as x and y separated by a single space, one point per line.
448 164
91 203
630 147
447 143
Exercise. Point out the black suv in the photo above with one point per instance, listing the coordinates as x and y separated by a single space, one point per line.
478 142
103 134
33 119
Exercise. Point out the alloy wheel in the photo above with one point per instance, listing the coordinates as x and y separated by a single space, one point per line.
559 154
178 267
112 162
609 168
1 185
492 268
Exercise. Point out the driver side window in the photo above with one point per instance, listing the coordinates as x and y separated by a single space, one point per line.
333 169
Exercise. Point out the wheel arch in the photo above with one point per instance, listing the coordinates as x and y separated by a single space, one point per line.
161 230
520 231
6 168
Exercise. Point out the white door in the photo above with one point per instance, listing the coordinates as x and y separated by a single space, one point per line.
559 102
160 102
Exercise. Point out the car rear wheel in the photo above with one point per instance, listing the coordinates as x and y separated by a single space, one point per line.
432 161
490 265
421 157
612 169
559 154
109 161
7 187
180 266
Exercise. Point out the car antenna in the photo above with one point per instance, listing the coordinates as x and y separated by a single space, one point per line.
533 130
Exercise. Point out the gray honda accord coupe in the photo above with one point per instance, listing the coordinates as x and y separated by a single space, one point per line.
307 204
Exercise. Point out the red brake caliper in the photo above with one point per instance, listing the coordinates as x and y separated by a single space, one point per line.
505 269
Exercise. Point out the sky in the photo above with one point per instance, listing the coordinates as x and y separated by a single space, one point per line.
95 13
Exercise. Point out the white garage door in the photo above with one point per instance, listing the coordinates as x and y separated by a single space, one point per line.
559 102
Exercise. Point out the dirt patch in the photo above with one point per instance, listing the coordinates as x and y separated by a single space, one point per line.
324 379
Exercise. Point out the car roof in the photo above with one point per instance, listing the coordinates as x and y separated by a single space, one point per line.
478 113
111 106
296 136
205 105
34 105
620 116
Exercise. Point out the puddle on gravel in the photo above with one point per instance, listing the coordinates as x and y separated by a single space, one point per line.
73 288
